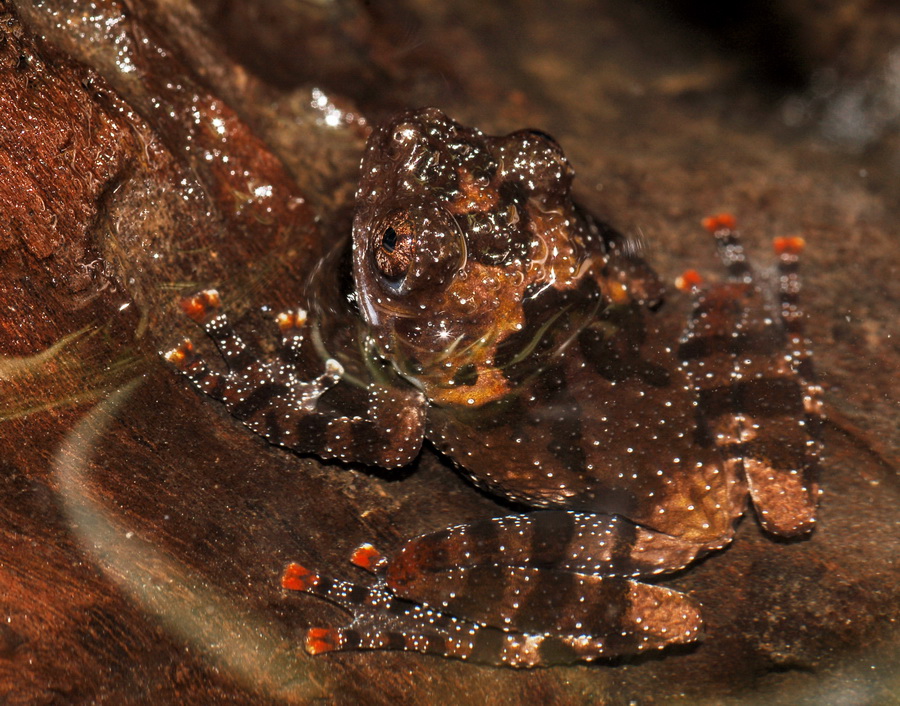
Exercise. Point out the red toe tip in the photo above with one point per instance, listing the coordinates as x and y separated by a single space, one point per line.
319 640
720 221
790 245
298 578
689 279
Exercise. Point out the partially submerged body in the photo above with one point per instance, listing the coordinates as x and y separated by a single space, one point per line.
527 341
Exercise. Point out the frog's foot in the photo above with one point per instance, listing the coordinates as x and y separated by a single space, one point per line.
515 591
186 359
291 323
382 621
749 360
250 384
205 308
280 397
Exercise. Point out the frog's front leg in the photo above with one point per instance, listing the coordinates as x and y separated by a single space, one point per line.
276 400
551 587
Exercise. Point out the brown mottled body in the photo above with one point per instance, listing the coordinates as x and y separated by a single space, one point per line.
525 339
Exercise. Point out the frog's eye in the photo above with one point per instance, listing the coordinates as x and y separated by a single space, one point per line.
394 248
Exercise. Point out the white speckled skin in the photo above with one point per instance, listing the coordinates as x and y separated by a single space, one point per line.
528 342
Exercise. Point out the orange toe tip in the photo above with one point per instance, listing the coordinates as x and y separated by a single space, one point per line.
688 280
790 245
198 306
179 355
720 221
298 578
366 557
319 640
289 320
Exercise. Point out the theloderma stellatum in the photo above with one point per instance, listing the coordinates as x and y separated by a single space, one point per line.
491 315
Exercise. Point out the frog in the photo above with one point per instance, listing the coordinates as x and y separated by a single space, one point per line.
478 308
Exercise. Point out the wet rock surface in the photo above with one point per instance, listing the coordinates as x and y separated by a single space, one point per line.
144 530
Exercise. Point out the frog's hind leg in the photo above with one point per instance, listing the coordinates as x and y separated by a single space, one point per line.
528 615
582 542
382 621
551 587
750 365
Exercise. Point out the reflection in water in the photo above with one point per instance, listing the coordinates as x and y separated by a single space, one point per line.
249 648
74 370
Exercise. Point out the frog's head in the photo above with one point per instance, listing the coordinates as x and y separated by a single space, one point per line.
456 235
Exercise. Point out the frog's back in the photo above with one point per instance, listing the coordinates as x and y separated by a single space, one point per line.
608 425
529 324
